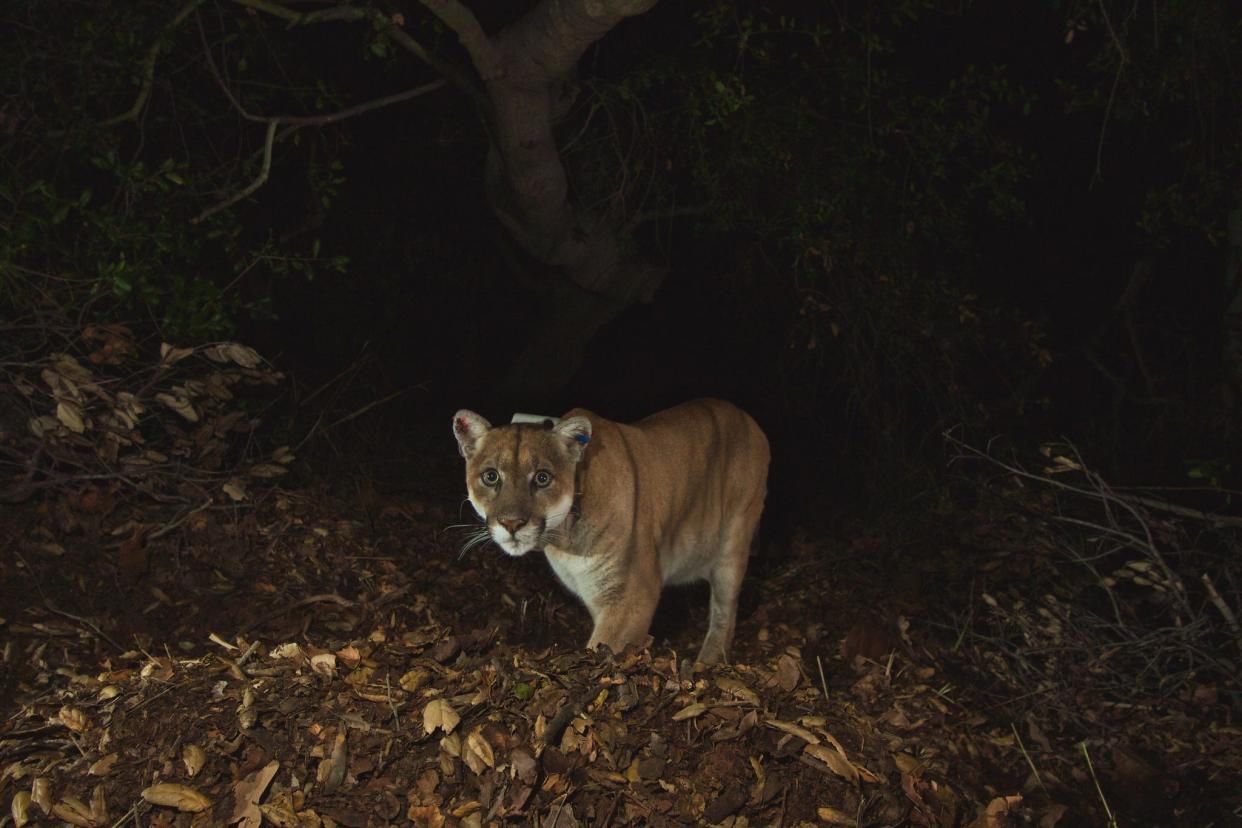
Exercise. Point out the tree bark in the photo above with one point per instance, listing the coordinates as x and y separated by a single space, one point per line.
527 69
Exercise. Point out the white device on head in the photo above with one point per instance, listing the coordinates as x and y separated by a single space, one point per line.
535 419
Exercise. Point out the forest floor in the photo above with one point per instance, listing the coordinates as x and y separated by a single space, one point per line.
330 659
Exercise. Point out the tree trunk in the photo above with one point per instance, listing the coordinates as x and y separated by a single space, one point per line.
528 70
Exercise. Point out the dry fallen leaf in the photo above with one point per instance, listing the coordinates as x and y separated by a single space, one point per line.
324 664
331 771
467 808
99 806
242 355
523 766
193 757
41 793
477 753
350 656
172 795
560 815
75 812
906 763
287 650
413 681
690 711
834 817
235 488
737 689
425 816
994 815
836 762
179 404
246 795
170 355
103 765
73 718
279 812
71 416
246 713
795 730
439 713
20 808
787 673
361 676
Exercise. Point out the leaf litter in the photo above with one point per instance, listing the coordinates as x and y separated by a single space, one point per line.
287 666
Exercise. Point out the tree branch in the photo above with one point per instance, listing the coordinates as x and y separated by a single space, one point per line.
552 37
299 121
297 18
258 182
384 24
450 71
148 67
463 22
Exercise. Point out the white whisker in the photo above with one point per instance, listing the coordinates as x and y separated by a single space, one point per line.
476 538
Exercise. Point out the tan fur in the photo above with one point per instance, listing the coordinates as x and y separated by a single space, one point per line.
670 499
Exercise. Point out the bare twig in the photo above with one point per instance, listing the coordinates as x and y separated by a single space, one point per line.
373 404
327 597
148 66
180 519
823 681
1217 601
1125 546
396 718
86 622
1108 812
258 181
571 708
969 450
1122 59
1030 763
307 120
383 23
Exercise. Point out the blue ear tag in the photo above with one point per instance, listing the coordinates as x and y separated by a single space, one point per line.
582 439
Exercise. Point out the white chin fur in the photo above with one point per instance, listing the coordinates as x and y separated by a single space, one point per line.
515 546
509 547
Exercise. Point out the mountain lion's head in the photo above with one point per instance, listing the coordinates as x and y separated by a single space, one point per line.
520 478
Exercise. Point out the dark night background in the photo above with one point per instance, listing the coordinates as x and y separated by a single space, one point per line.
868 224
1013 286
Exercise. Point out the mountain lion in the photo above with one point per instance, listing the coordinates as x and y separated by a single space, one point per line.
620 510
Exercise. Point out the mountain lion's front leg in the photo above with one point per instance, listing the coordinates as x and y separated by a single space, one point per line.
624 617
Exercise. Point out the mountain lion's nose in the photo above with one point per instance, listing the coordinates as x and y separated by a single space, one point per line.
512 524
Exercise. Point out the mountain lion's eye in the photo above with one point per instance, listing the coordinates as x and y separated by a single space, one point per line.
490 477
543 479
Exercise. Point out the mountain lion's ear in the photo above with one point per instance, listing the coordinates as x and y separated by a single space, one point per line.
469 428
577 432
